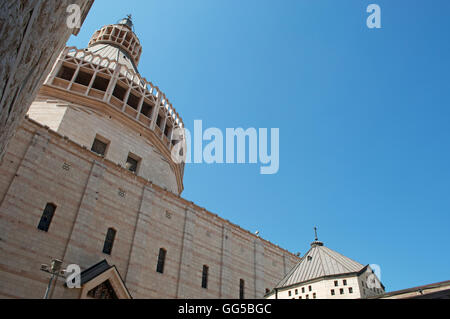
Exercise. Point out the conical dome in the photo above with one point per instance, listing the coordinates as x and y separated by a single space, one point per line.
118 42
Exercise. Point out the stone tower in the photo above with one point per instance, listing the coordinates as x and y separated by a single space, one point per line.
89 179
131 120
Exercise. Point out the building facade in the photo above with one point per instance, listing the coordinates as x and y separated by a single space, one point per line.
32 34
89 179
325 274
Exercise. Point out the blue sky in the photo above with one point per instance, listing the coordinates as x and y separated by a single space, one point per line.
363 117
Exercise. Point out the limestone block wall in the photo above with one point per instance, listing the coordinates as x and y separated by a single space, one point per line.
32 33
93 194
82 124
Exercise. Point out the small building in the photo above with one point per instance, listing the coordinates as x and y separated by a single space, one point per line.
325 274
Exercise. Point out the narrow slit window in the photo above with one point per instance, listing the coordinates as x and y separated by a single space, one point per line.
205 277
242 289
161 260
47 216
109 241
168 130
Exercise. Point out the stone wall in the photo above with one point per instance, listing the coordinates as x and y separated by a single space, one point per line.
93 194
82 124
32 33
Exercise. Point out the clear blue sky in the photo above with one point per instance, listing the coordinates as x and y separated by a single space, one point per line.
363 116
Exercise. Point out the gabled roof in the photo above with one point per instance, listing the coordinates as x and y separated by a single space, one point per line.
98 274
94 271
319 262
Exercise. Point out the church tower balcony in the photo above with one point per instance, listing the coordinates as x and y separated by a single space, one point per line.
104 76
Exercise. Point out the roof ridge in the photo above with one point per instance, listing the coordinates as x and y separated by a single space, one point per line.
343 261
321 261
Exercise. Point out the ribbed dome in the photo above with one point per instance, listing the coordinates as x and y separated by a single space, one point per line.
118 42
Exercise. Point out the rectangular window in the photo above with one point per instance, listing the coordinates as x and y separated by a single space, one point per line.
132 163
314 296
146 109
336 283
310 288
333 293
341 291
119 92
159 120
161 260
350 290
133 101
83 78
241 289
109 241
296 291
99 146
303 290
100 83
290 293
66 73
205 277
46 218
345 282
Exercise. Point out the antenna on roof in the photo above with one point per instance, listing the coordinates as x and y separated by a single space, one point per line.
315 230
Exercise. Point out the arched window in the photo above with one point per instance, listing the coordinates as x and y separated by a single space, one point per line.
47 217
109 241
205 277
161 260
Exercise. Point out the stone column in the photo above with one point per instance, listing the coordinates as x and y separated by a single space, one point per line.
259 269
225 265
85 216
185 274
33 34
141 241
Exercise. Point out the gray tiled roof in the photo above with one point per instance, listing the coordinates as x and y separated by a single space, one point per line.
113 53
320 261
